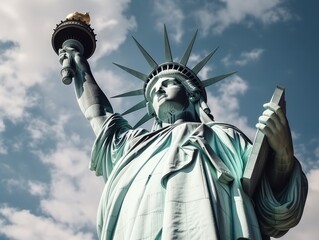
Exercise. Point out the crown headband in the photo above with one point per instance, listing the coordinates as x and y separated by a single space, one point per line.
167 67
177 71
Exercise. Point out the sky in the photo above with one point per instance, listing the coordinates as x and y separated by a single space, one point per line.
46 188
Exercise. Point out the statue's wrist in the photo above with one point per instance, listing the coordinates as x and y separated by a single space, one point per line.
284 164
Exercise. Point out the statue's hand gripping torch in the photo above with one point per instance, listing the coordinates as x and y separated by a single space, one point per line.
75 32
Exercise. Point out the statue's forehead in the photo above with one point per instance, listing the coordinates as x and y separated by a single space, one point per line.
159 80
163 80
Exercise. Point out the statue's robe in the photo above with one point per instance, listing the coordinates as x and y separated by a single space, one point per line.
184 182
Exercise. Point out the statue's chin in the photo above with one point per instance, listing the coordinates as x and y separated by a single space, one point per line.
169 112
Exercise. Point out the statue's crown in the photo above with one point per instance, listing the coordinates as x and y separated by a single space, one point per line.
168 69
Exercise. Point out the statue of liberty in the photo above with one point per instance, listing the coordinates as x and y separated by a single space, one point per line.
182 179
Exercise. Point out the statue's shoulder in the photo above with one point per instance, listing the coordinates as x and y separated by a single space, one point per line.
229 129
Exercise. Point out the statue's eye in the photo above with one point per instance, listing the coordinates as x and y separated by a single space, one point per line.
172 82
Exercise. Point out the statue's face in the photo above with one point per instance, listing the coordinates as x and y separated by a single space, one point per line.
169 98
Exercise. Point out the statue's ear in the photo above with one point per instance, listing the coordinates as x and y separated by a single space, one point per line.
150 109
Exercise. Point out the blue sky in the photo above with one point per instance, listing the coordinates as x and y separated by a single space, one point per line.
46 188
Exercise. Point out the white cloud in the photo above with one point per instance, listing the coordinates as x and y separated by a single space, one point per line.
40 128
37 188
13 184
307 152
205 71
71 198
73 194
217 16
68 203
74 191
170 13
31 59
22 224
244 58
308 226
226 108
313 179
113 85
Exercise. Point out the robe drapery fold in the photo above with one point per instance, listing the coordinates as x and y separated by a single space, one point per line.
184 182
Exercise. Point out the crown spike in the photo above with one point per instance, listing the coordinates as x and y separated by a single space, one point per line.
188 51
168 52
202 63
144 119
136 107
148 57
216 79
130 94
133 72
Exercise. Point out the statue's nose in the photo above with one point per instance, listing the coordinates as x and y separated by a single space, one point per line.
160 89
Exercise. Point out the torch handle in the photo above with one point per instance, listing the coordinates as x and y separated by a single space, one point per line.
67 72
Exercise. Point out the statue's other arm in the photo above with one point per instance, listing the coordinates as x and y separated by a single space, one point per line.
92 101
282 193
274 124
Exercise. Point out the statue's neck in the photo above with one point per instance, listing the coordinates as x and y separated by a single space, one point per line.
185 116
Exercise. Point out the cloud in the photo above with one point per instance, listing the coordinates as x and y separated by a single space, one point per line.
22 224
244 58
40 128
3 147
225 105
307 153
170 13
68 203
308 226
12 184
26 54
218 16
72 195
37 188
42 109
74 191
31 91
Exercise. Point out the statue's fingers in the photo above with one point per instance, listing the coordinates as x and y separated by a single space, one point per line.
278 110
282 116
272 106
68 49
267 121
61 51
264 129
62 56
269 112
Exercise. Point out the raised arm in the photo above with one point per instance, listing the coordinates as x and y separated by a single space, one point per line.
92 101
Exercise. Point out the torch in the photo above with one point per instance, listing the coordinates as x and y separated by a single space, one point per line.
74 32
